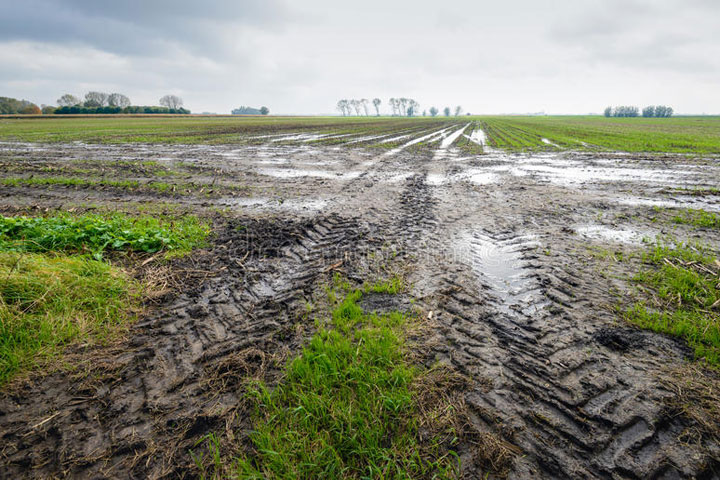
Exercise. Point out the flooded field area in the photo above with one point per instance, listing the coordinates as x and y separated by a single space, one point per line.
521 261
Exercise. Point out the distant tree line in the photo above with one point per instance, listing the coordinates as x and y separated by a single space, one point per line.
346 107
401 107
251 111
446 111
13 106
112 103
659 111
82 110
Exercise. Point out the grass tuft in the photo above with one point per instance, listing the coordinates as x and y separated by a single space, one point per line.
347 407
683 290
698 218
47 301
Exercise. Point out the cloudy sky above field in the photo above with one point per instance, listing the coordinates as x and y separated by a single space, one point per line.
557 56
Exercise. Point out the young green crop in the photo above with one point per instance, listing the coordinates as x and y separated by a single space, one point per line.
98 233
693 135
685 295
698 218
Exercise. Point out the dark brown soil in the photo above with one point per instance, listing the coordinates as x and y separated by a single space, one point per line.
518 260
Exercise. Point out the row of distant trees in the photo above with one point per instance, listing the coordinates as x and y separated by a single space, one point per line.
12 106
250 111
346 106
93 103
446 111
109 103
657 111
401 107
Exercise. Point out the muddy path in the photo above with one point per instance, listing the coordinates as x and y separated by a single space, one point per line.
503 252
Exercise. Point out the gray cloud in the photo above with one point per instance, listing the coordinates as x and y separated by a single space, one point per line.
138 27
563 56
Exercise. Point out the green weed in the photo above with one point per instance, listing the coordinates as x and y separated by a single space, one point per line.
98 233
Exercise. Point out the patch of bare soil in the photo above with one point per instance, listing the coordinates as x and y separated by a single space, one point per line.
519 260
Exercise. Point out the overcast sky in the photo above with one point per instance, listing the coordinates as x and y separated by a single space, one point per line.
557 56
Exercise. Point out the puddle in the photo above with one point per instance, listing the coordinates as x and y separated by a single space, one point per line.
304 137
604 233
436 179
297 173
677 202
484 178
416 140
444 151
274 204
499 265
373 137
548 142
450 139
478 136
575 175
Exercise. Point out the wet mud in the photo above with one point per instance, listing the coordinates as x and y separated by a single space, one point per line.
502 252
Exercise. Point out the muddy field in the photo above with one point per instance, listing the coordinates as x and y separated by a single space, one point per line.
515 257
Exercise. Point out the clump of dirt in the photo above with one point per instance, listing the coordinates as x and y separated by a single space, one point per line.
619 339
382 303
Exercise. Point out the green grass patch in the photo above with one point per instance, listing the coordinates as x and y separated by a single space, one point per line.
682 283
346 407
47 301
95 234
159 187
698 218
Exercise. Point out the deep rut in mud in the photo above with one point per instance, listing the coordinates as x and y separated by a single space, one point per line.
521 310
144 404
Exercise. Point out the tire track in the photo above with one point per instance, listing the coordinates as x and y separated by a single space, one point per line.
141 413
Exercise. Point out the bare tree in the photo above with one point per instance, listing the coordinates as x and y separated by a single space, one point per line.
96 99
434 111
118 100
342 105
404 104
393 105
376 103
171 101
608 112
458 111
365 104
68 100
412 108
446 111
356 106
